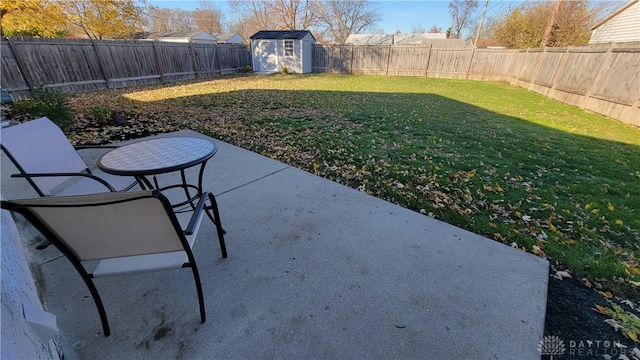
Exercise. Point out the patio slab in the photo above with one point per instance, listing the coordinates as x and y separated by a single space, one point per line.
316 270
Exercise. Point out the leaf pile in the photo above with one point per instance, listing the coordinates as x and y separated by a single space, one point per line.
514 166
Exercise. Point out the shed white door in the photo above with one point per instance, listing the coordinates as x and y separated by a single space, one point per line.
267 56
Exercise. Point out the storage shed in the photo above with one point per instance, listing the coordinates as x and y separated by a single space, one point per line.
274 50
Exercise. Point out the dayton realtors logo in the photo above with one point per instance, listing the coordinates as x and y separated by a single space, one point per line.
554 346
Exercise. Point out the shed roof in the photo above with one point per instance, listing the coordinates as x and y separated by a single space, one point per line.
281 34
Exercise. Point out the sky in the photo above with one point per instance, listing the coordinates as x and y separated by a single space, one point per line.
396 15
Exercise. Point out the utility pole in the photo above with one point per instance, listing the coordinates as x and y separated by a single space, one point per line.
552 21
484 11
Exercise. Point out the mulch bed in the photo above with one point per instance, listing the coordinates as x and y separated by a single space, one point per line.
571 316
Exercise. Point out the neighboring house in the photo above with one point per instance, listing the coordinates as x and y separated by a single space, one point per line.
622 25
230 38
181 37
417 38
433 39
274 50
490 44
370 39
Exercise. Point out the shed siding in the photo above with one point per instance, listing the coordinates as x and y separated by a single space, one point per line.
269 52
624 27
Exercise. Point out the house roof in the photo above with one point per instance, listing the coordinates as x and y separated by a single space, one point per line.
370 39
489 43
175 35
435 40
222 37
614 14
281 34
417 38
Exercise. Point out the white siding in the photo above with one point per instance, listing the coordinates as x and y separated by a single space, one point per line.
623 27
19 341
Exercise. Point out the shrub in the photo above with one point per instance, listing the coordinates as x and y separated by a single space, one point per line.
49 103
101 114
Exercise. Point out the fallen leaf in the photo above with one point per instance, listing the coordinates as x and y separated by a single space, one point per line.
631 335
613 324
629 303
610 207
602 310
561 275
607 294
537 250
586 282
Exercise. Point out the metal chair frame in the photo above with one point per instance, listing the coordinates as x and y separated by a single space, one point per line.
26 208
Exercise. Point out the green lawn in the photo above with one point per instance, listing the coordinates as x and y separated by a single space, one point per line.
500 161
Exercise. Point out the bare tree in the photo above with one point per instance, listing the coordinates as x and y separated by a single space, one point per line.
170 20
345 17
296 14
207 17
461 12
256 14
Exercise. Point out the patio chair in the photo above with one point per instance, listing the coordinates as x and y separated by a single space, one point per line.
120 233
46 159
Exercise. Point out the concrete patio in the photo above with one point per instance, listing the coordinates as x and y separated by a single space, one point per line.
316 270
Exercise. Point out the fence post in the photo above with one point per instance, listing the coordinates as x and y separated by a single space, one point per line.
426 71
158 62
473 52
194 59
217 50
21 66
104 74
388 59
351 62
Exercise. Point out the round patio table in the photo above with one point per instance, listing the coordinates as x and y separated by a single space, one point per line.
160 156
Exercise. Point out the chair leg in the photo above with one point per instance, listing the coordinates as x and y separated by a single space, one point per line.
196 277
96 298
216 221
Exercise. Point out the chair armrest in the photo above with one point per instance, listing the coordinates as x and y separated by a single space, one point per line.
196 214
91 176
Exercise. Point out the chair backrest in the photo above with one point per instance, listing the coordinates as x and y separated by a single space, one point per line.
104 226
40 146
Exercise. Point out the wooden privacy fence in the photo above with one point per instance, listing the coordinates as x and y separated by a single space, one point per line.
605 80
84 65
